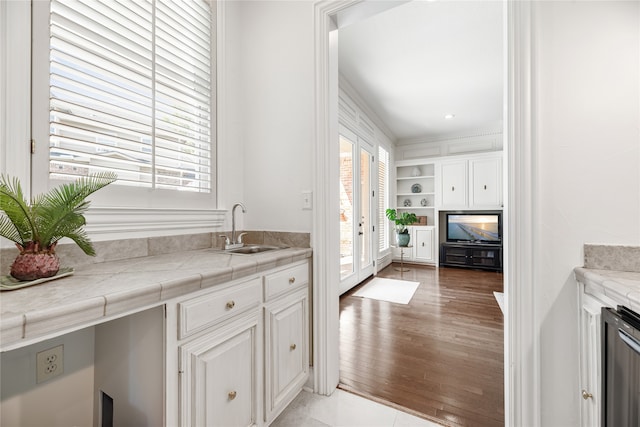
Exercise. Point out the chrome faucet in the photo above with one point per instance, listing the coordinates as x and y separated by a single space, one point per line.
233 243
233 223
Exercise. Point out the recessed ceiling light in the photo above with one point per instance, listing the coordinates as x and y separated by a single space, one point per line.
449 116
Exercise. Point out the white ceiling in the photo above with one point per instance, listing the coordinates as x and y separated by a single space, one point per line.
421 60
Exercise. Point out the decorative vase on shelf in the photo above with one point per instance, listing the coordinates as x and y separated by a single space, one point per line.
403 239
416 171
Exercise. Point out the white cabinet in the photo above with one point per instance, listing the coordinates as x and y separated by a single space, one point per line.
485 185
590 309
421 246
286 351
218 343
590 305
238 353
424 244
454 184
219 377
286 337
475 183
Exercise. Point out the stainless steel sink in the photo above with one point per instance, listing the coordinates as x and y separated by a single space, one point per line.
254 249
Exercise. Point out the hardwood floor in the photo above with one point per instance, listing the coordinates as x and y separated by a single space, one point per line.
440 356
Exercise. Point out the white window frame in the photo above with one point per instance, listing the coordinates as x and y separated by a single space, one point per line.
116 211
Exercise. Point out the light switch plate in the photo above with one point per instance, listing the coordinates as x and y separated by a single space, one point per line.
307 197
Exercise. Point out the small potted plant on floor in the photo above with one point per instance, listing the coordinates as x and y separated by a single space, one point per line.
401 222
36 227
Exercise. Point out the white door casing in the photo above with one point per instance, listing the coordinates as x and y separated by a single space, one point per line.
522 385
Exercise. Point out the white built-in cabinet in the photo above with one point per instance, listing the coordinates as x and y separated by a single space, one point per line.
453 184
286 337
472 183
428 186
590 355
242 350
422 247
424 244
485 185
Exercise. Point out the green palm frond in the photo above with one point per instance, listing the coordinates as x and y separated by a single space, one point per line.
61 209
82 240
14 206
9 230
51 216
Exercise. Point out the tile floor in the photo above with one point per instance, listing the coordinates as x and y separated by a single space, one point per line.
343 409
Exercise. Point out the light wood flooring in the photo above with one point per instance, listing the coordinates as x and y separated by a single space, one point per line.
439 357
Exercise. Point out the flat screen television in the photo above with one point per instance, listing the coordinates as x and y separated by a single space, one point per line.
474 227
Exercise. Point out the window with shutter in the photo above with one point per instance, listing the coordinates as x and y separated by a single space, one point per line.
383 199
132 91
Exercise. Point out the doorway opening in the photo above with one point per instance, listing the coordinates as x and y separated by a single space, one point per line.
332 79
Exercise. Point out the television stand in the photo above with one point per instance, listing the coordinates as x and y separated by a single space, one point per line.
471 255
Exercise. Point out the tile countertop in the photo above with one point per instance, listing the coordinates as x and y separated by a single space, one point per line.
613 271
100 292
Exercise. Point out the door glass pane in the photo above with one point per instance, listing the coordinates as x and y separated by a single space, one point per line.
346 207
364 226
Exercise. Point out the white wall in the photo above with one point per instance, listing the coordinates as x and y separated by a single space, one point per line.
274 123
588 169
230 146
65 400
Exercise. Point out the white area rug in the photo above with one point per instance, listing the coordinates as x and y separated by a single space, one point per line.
398 291
500 298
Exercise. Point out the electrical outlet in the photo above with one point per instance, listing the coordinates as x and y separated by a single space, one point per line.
49 363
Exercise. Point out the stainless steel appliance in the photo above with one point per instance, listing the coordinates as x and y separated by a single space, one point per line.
620 367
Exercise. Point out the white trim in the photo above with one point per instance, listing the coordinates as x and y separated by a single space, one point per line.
326 272
15 90
110 223
522 400
522 378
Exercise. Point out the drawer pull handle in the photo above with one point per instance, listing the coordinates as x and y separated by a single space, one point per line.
232 395
292 347
292 280
586 395
231 304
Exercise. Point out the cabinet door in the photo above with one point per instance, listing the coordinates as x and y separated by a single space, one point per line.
486 182
590 360
454 184
287 353
424 244
218 382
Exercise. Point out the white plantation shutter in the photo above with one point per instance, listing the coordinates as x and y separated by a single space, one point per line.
131 91
383 199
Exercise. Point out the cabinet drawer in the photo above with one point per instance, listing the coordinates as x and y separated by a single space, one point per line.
207 310
285 280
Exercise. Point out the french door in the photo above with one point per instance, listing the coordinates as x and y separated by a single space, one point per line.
356 209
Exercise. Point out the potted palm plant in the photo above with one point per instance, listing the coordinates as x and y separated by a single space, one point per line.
401 222
36 227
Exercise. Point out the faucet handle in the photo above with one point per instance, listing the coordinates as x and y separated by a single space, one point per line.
240 237
226 239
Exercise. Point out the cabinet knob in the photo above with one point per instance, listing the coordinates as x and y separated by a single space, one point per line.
586 395
292 347
232 395
485 187
292 280
453 188
231 304
422 244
